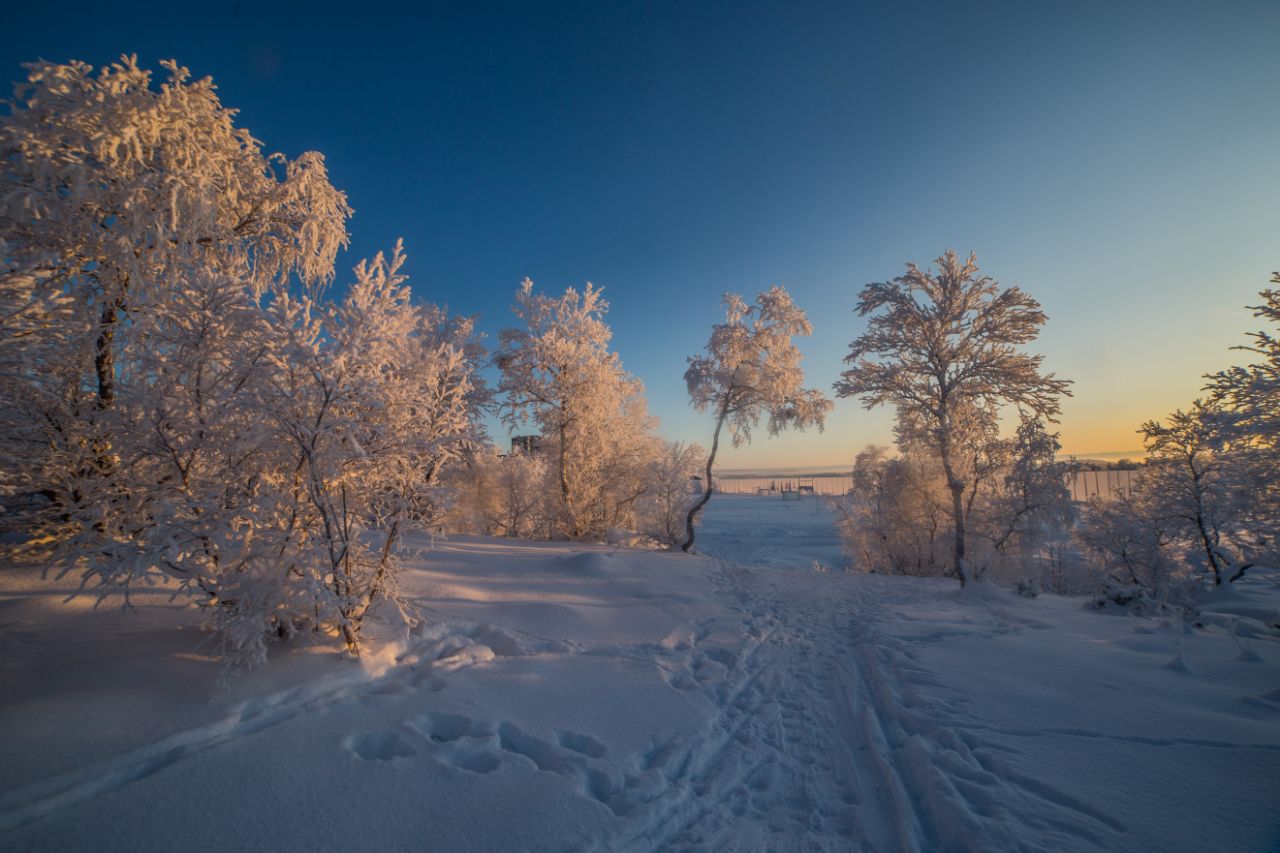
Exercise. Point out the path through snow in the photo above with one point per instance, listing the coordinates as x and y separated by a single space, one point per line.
824 739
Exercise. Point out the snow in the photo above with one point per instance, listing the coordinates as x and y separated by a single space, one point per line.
562 696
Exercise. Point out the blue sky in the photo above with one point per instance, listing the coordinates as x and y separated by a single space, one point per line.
1117 160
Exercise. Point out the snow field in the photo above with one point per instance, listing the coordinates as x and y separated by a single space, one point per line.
562 697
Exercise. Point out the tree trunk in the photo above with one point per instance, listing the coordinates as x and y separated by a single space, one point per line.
956 485
104 361
957 511
104 365
1206 540
706 494
564 483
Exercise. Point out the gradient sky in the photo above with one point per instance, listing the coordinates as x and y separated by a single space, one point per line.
1117 160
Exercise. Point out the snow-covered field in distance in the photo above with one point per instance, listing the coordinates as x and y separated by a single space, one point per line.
563 696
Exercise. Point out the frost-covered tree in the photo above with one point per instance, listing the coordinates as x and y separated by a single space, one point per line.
945 349
114 194
518 496
176 381
1206 501
267 454
1188 486
558 372
1249 397
750 370
1027 504
1132 544
374 397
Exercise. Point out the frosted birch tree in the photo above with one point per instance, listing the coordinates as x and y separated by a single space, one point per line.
945 349
751 370
558 372
173 377
114 193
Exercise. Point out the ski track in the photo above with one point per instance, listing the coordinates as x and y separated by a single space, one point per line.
823 741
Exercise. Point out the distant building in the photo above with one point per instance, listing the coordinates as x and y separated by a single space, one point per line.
526 445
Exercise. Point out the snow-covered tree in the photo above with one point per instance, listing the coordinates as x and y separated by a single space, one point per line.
1206 501
114 194
944 349
558 372
372 396
1026 506
176 381
750 370
1249 397
1188 486
1132 544
267 454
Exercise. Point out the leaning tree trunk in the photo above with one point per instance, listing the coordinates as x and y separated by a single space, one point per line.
706 494
1206 539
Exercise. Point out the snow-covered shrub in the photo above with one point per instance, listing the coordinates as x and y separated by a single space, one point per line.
267 454
898 517
1027 587
1129 544
501 496
668 496
895 519
1192 509
1175 599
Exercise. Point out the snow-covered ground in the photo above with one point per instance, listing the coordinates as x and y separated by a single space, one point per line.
567 697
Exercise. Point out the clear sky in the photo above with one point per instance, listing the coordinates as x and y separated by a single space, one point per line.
1117 160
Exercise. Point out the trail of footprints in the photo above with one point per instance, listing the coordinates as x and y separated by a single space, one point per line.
481 746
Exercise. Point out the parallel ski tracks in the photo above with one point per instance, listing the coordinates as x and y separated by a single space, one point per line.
823 743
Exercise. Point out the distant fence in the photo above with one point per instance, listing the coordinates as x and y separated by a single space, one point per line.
1101 484
1083 484
822 484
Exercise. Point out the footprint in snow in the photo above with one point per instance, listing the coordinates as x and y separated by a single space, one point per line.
381 746
479 746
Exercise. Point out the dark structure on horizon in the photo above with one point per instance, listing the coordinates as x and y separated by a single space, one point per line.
526 445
